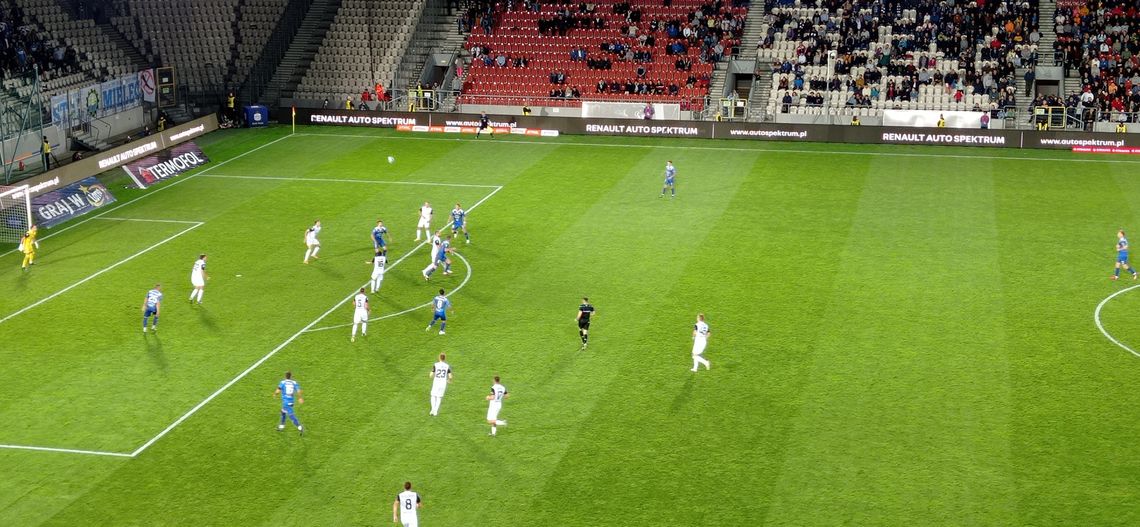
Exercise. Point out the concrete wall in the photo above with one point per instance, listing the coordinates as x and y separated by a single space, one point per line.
26 147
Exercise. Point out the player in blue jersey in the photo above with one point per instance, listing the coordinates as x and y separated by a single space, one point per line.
1122 256
290 392
459 222
152 304
440 259
670 175
378 241
439 307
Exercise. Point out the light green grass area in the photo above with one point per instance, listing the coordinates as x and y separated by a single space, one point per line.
901 336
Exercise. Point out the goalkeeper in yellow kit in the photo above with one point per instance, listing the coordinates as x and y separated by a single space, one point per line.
28 246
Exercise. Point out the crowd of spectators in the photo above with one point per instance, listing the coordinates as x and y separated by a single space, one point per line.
1099 41
636 35
918 41
23 48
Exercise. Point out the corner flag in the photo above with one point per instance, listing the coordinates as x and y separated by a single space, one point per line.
294 119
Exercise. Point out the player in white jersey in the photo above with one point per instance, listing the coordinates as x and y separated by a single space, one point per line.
198 278
436 246
498 393
700 340
312 244
360 316
440 377
378 262
425 222
405 508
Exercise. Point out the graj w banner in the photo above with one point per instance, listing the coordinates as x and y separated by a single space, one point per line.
166 164
71 201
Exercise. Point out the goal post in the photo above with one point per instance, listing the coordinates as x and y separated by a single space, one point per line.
15 213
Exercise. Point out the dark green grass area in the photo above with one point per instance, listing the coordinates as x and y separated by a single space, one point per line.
901 336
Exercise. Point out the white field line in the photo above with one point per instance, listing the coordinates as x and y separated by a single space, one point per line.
410 309
177 181
1096 318
65 450
195 225
739 149
148 220
335 180
281 346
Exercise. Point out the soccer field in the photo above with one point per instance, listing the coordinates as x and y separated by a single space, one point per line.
900 336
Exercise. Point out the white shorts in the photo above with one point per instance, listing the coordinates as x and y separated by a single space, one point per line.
424 224
360 316
312 243
493 410
438 391
377 274
410 522
699 346
197 280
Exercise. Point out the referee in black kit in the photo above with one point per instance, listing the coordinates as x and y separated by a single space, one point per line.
585 311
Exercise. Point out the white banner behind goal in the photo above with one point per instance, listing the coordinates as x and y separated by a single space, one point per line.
15 213
629 110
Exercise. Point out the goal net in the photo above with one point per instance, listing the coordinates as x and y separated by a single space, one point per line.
15 213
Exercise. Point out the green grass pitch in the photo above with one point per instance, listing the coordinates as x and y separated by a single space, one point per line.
901 336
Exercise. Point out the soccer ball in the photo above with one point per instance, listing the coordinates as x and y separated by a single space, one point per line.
391 160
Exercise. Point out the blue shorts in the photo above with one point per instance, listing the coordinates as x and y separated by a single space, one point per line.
286 408
1122 257
441 257
379 242
150 311
668 181
439 315
456 226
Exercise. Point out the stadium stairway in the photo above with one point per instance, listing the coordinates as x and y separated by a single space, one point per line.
120 41
761 89
1047 15
716 85
301 50
116 37
435 33
235 53
761 83
1020 100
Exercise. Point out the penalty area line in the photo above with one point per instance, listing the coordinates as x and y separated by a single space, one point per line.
1100 326
65 450
101 271
348 180
156 190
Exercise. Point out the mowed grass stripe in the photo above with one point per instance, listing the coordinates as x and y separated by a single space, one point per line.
659 416
630 296
907 412
1074 390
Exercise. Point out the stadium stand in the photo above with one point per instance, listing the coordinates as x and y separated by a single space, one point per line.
68 52
891 54
639 50
195 38
1097 41
256 21
363 47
